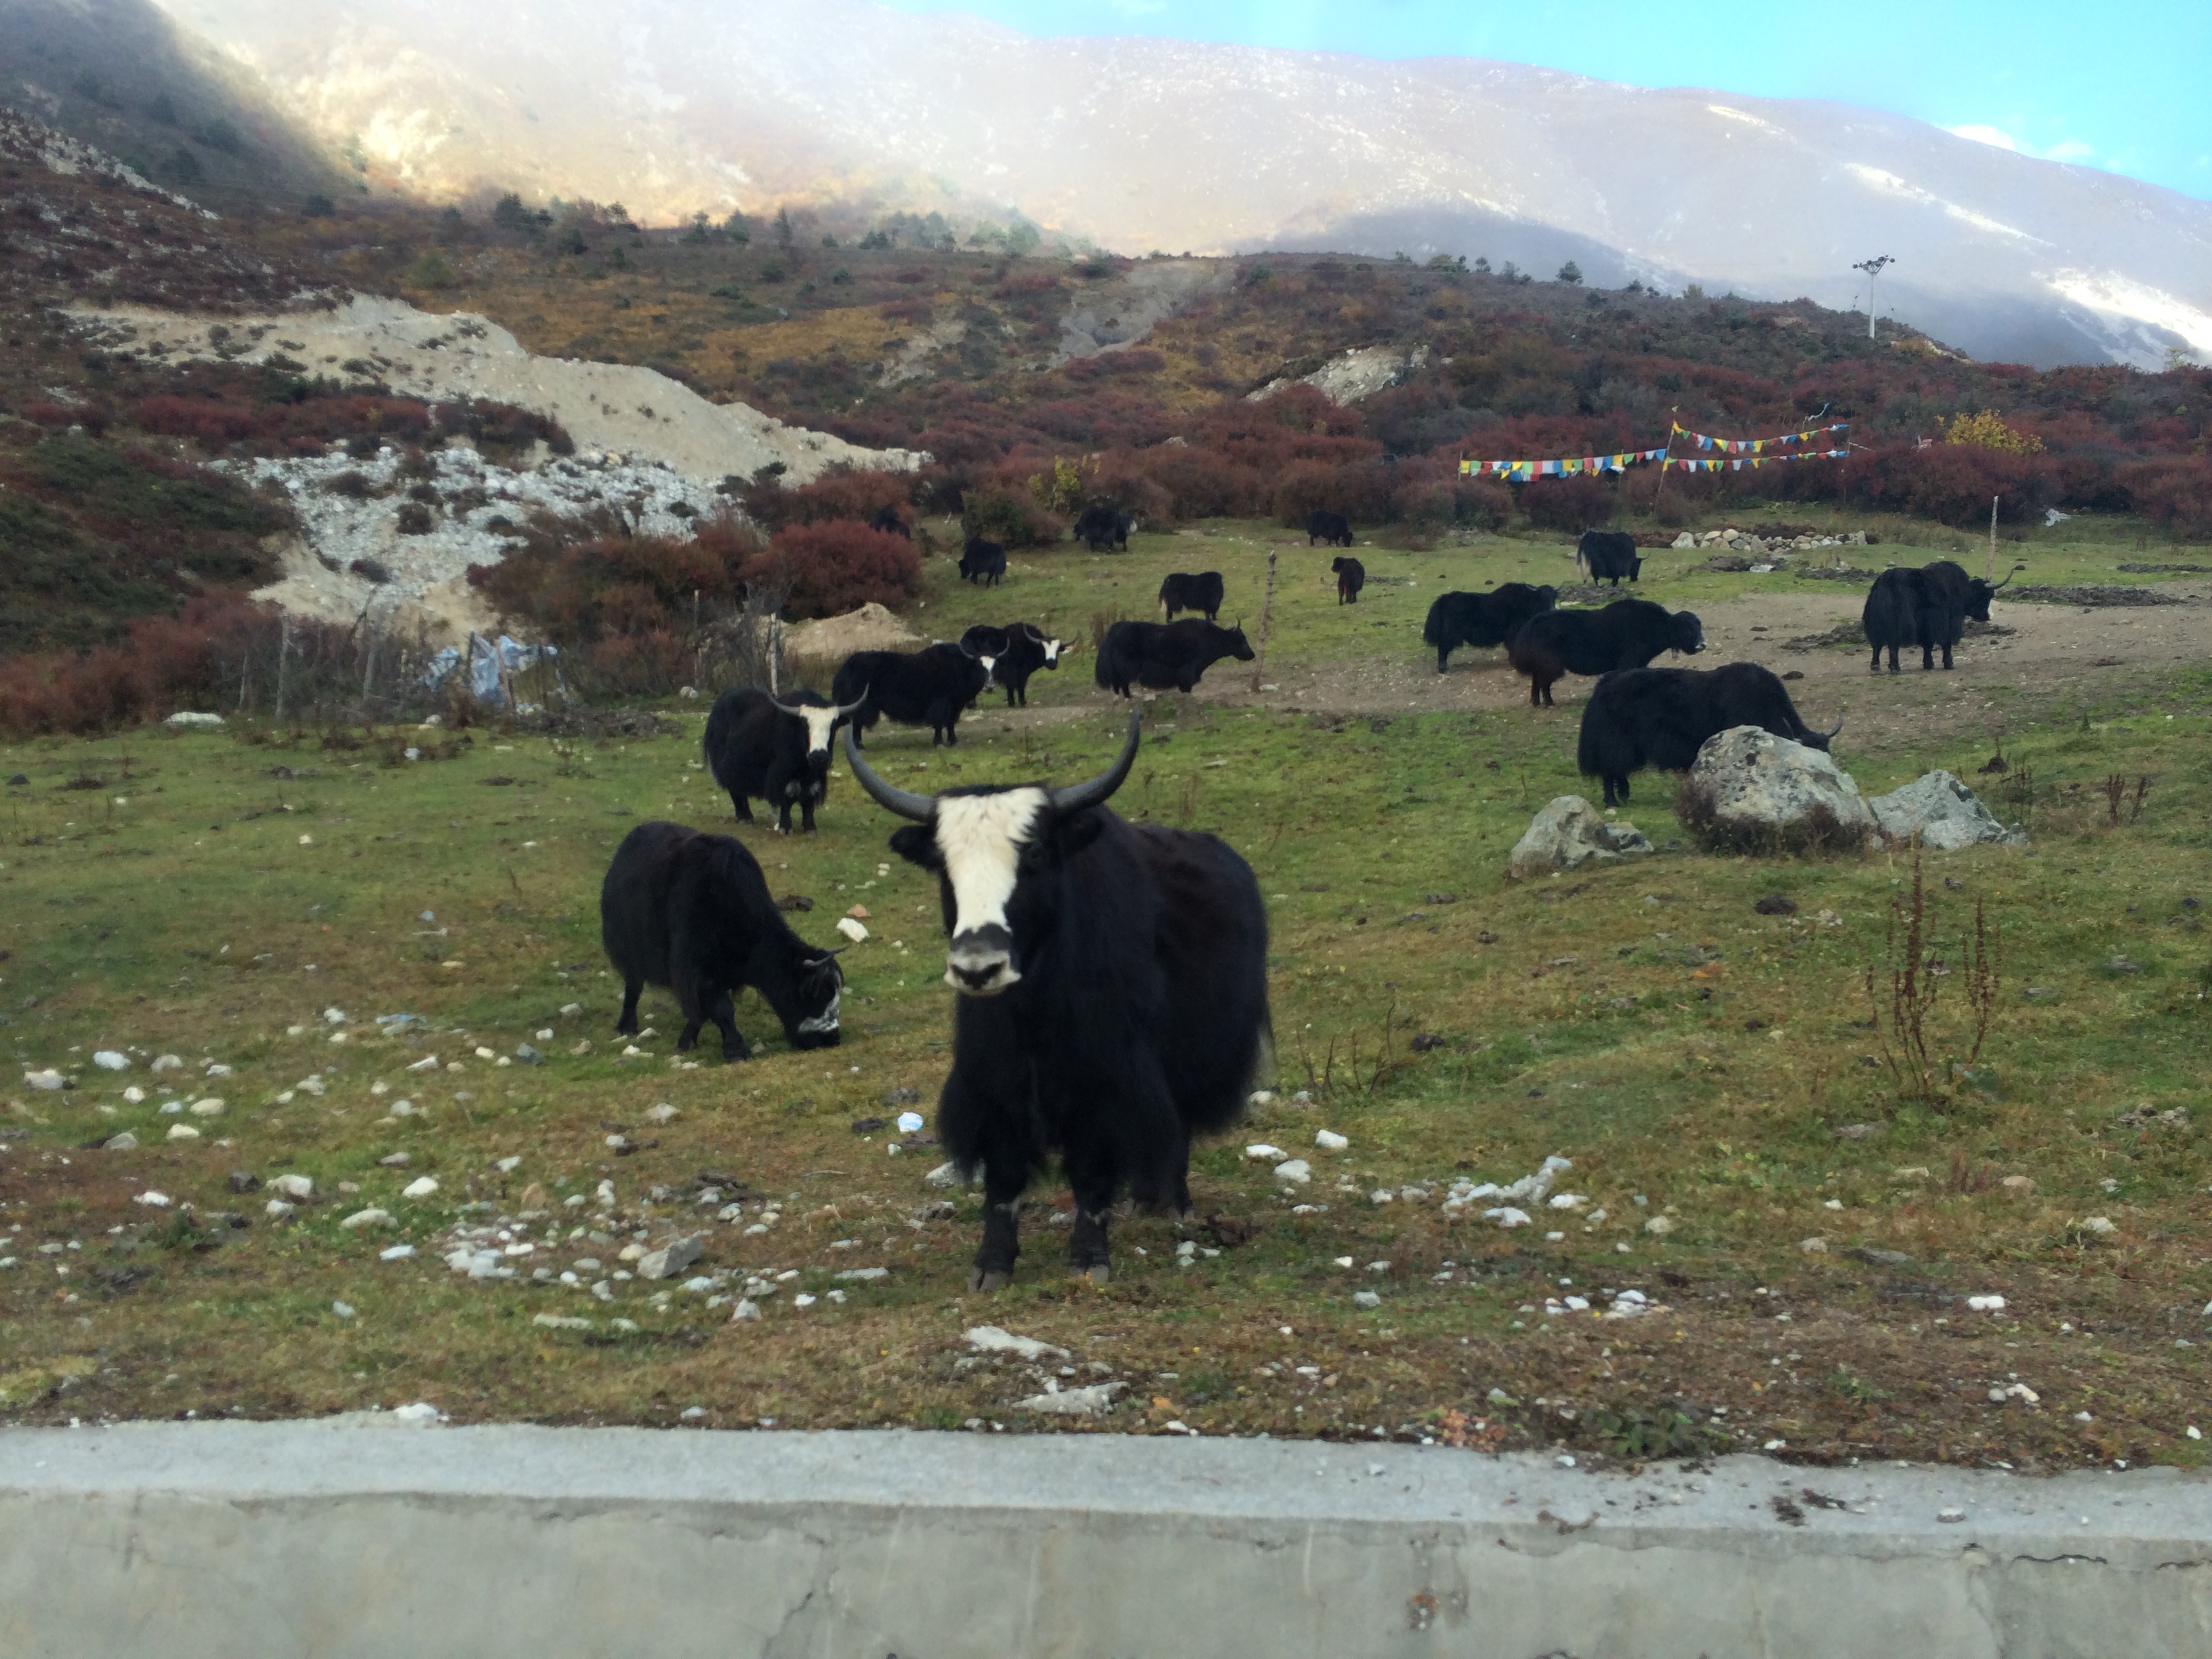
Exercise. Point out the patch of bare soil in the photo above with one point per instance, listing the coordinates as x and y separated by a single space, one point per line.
872 627
2048 657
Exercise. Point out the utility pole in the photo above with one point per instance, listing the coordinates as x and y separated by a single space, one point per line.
1873 268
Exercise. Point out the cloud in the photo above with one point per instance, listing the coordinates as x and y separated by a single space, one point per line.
1994 136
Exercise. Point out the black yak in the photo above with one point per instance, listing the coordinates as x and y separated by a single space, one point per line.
1926 607
1017 651
1351 577
1104 526
1610 554
888 520
1483 619
692 912
1329 529
1627 634
1113 996
1661 717
1161 654
778 752
982 561
929 687
1184 591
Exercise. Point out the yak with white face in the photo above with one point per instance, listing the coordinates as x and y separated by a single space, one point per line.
1113 994
778 752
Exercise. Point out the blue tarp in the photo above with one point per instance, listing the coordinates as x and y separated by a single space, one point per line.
487 659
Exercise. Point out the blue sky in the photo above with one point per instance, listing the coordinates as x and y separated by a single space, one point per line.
2125 85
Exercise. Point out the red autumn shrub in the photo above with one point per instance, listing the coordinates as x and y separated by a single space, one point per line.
838 495
1360 489
165 663
1009 514
1951 484
2176 495
827 569
1573 505
581 592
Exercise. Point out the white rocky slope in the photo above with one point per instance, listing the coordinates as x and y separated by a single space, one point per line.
615 407
676 105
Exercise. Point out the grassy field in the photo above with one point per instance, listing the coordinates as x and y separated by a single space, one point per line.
246 899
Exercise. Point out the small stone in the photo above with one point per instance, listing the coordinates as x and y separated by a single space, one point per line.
509 1165
864 1275
746 1308
663 1113
125 1142
562 1322
1948 1516
208 1108
1660 1225
992 1338
2101 1226
109 1059
135 1095
1986 1303
166 1063
152 1200
1297 1170
1260 1152
1329 1141
1507 1216
244 1181
277 1209
945 1174
1855 1131
1813 1246
48 1078
371 1217
395 1253
1366 1299
297 1187
670 1259
342 1310
183 1131
852 929
420 1187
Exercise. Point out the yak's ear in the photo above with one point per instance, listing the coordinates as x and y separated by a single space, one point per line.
1073 831
917 844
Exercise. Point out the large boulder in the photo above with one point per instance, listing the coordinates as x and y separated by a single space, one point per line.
1751 791
1943 812
1569 833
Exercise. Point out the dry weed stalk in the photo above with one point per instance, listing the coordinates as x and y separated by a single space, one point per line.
1904 1007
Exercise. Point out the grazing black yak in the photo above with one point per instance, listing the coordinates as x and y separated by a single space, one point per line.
1661 717
1161 654
1627 634
1483 619
1926 607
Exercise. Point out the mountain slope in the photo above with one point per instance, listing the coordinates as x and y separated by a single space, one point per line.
677 105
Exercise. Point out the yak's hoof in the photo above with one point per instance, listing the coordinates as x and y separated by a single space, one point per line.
994 1279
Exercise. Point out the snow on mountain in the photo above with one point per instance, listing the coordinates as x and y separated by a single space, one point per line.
676 105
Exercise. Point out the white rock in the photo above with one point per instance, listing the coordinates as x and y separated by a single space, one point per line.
342 1310
371 1217
211 1107
278 1208
1262 1097
395 1253
186 720
1986 1303
297 1187
1769 791
418 1414
1329 1141
135 1095
2101 1226
670 1259
863 1275
166 1063
945 1174
125 1142
1569 833
802 1300
47 1078
746 1308
990 1338
852 929
563 1323
1087 1402
109 1059
1507 1216
1367 1299
509 1165
420 1187
152 1200
1568 1201
183 1131
1685 540
1943 811
663 1113
427 1063
1296 1170
1659 1224
1261 1152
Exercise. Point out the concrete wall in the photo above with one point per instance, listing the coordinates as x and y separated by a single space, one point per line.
347 1539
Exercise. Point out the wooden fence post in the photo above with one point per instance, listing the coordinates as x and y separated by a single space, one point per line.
1267 615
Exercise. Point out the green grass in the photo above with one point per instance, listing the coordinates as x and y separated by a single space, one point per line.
1643 1021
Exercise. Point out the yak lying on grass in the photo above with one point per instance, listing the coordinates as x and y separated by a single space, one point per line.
1163 654
1483 619
692 912
1627 634
1113 981
1661 717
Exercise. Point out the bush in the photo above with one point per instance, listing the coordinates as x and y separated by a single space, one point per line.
1951 484
1009 515
167 663
2176 495
858 495
1573 505
827 569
